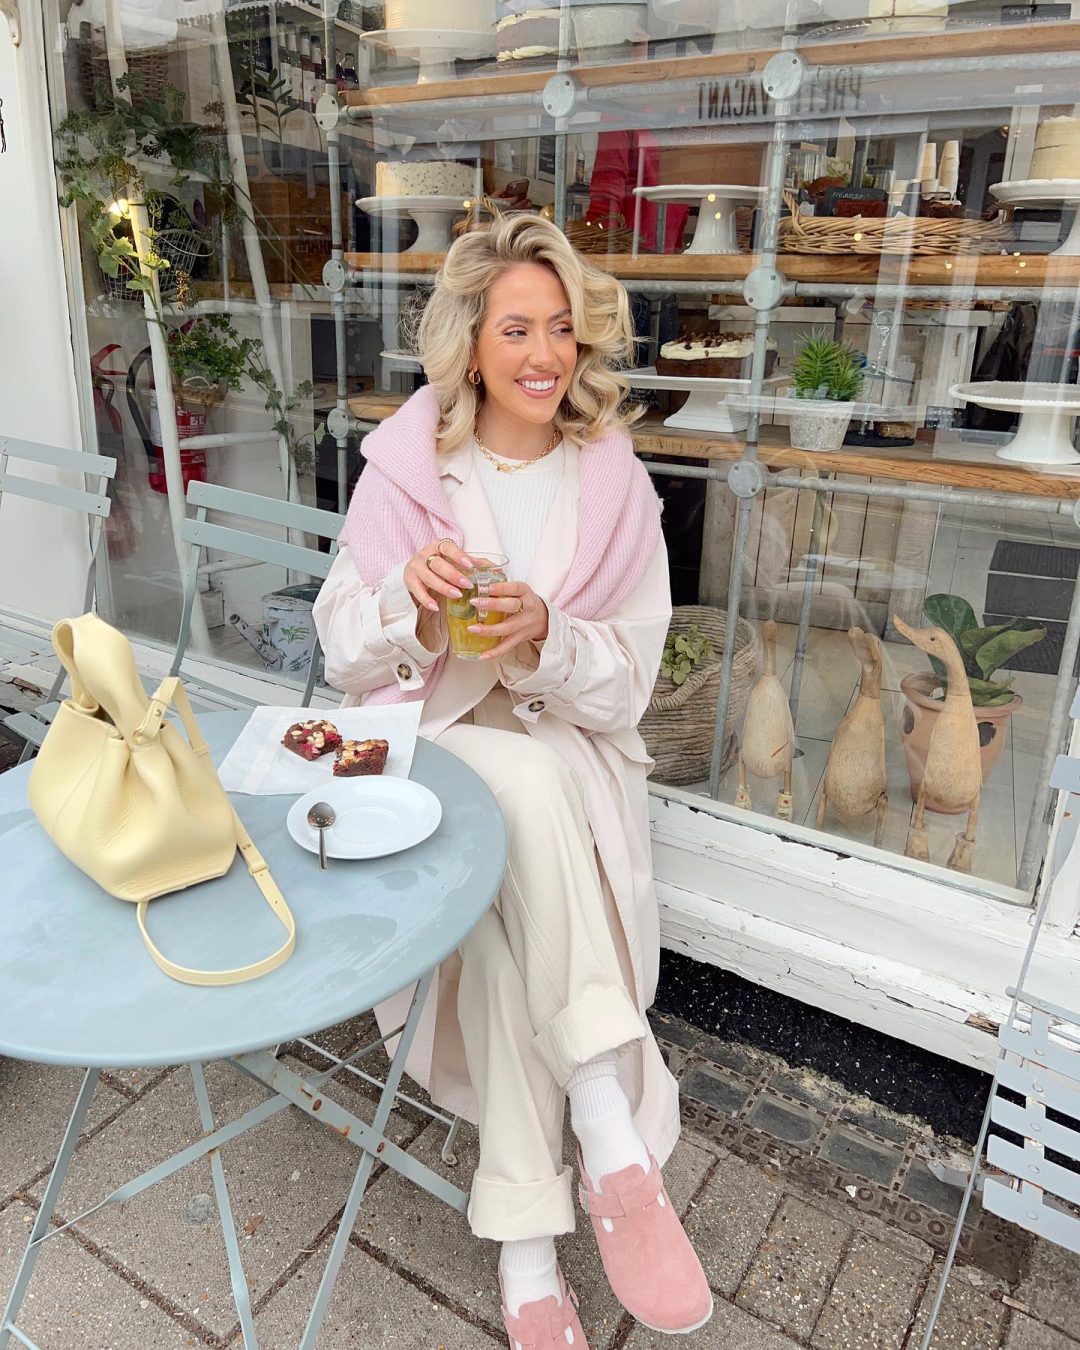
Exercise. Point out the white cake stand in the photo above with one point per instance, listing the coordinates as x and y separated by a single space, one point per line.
433 215
1046 192
716 202
1046 412
435 50
710 406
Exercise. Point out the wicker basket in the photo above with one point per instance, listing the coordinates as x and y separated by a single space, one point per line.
593 236
679 723
890 234
148 71
197 394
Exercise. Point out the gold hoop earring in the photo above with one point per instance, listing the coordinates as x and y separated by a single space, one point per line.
474 377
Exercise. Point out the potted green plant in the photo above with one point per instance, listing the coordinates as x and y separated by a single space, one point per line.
826 379
207 358
984 649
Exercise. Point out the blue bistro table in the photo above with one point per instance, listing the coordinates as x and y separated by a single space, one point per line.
77 987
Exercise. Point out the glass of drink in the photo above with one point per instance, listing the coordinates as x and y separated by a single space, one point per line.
489 568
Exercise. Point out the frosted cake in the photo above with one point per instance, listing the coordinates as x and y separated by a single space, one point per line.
400 178
721 356
1057 149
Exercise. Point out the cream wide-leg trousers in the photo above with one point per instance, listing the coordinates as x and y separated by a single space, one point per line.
541 990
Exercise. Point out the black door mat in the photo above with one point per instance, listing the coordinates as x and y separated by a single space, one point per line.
1033 581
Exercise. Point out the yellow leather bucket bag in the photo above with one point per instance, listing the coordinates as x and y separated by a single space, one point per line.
129 800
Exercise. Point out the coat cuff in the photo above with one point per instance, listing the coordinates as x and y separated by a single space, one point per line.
558 676
413 639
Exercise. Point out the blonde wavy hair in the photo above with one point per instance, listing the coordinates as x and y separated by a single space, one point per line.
446 332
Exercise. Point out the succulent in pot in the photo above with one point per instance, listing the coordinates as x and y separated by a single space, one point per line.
827 377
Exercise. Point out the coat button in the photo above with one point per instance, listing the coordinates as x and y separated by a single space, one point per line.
404 671
536 705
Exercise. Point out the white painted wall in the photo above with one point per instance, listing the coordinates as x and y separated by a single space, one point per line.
37 377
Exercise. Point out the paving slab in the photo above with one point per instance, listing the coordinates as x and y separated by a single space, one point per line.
373 1308
793 1269
74 1302
729 1221
871 1303
729 1327
1051 1287
35 1105
876 1162
921 1184
1025 1333
878 1121
724 1092
794 1124
286 1180
970 1319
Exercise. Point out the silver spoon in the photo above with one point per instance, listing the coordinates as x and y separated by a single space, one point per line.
321 816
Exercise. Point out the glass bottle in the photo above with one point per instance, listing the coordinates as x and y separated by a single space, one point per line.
349 77
307 70
292 72
318 71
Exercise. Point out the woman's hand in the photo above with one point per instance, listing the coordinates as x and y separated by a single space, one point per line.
436 568
526 617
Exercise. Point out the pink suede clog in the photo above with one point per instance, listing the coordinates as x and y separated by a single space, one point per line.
545 1324
653 1270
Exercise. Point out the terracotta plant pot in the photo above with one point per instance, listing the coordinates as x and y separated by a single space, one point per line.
917 724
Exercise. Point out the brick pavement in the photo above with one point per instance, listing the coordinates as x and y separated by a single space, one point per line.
819 1219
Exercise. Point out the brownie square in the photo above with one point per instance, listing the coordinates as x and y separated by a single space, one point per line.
361 757
312 739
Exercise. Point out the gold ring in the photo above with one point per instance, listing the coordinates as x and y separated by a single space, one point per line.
521 606
431 558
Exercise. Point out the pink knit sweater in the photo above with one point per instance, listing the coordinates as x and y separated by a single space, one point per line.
399 506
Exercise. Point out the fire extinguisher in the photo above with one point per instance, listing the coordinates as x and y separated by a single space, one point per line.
192 462
119 530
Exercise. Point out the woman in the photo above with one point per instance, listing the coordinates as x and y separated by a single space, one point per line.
517 445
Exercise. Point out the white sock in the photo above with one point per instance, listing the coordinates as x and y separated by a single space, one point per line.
527 1268
602 1120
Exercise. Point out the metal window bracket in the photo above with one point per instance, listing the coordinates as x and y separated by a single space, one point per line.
10 10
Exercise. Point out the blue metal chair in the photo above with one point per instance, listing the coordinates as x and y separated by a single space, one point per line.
1038 1063
241 539
19 645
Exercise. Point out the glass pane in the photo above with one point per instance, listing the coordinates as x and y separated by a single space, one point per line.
804 201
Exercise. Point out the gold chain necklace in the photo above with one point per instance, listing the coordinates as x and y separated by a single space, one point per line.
522 464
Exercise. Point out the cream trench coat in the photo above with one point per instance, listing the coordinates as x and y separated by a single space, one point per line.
582 694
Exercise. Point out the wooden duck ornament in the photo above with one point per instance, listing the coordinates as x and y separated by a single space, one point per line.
768 736
855 777
953 773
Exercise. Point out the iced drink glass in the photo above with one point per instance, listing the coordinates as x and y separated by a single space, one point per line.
489 568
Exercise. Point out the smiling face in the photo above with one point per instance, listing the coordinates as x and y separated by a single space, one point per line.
526 351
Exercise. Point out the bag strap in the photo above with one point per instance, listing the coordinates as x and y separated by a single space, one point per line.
171 693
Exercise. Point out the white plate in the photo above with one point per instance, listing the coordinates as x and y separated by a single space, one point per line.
698 192
375 816
375 206
1036 190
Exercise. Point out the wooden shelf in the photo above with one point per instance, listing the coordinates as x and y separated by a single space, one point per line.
1007 40
910 464
988 269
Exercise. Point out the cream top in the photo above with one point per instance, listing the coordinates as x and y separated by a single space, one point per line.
520 503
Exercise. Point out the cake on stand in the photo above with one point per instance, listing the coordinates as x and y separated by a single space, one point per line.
716 203
713 403
1046 192
436 50
434 216
1044 435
